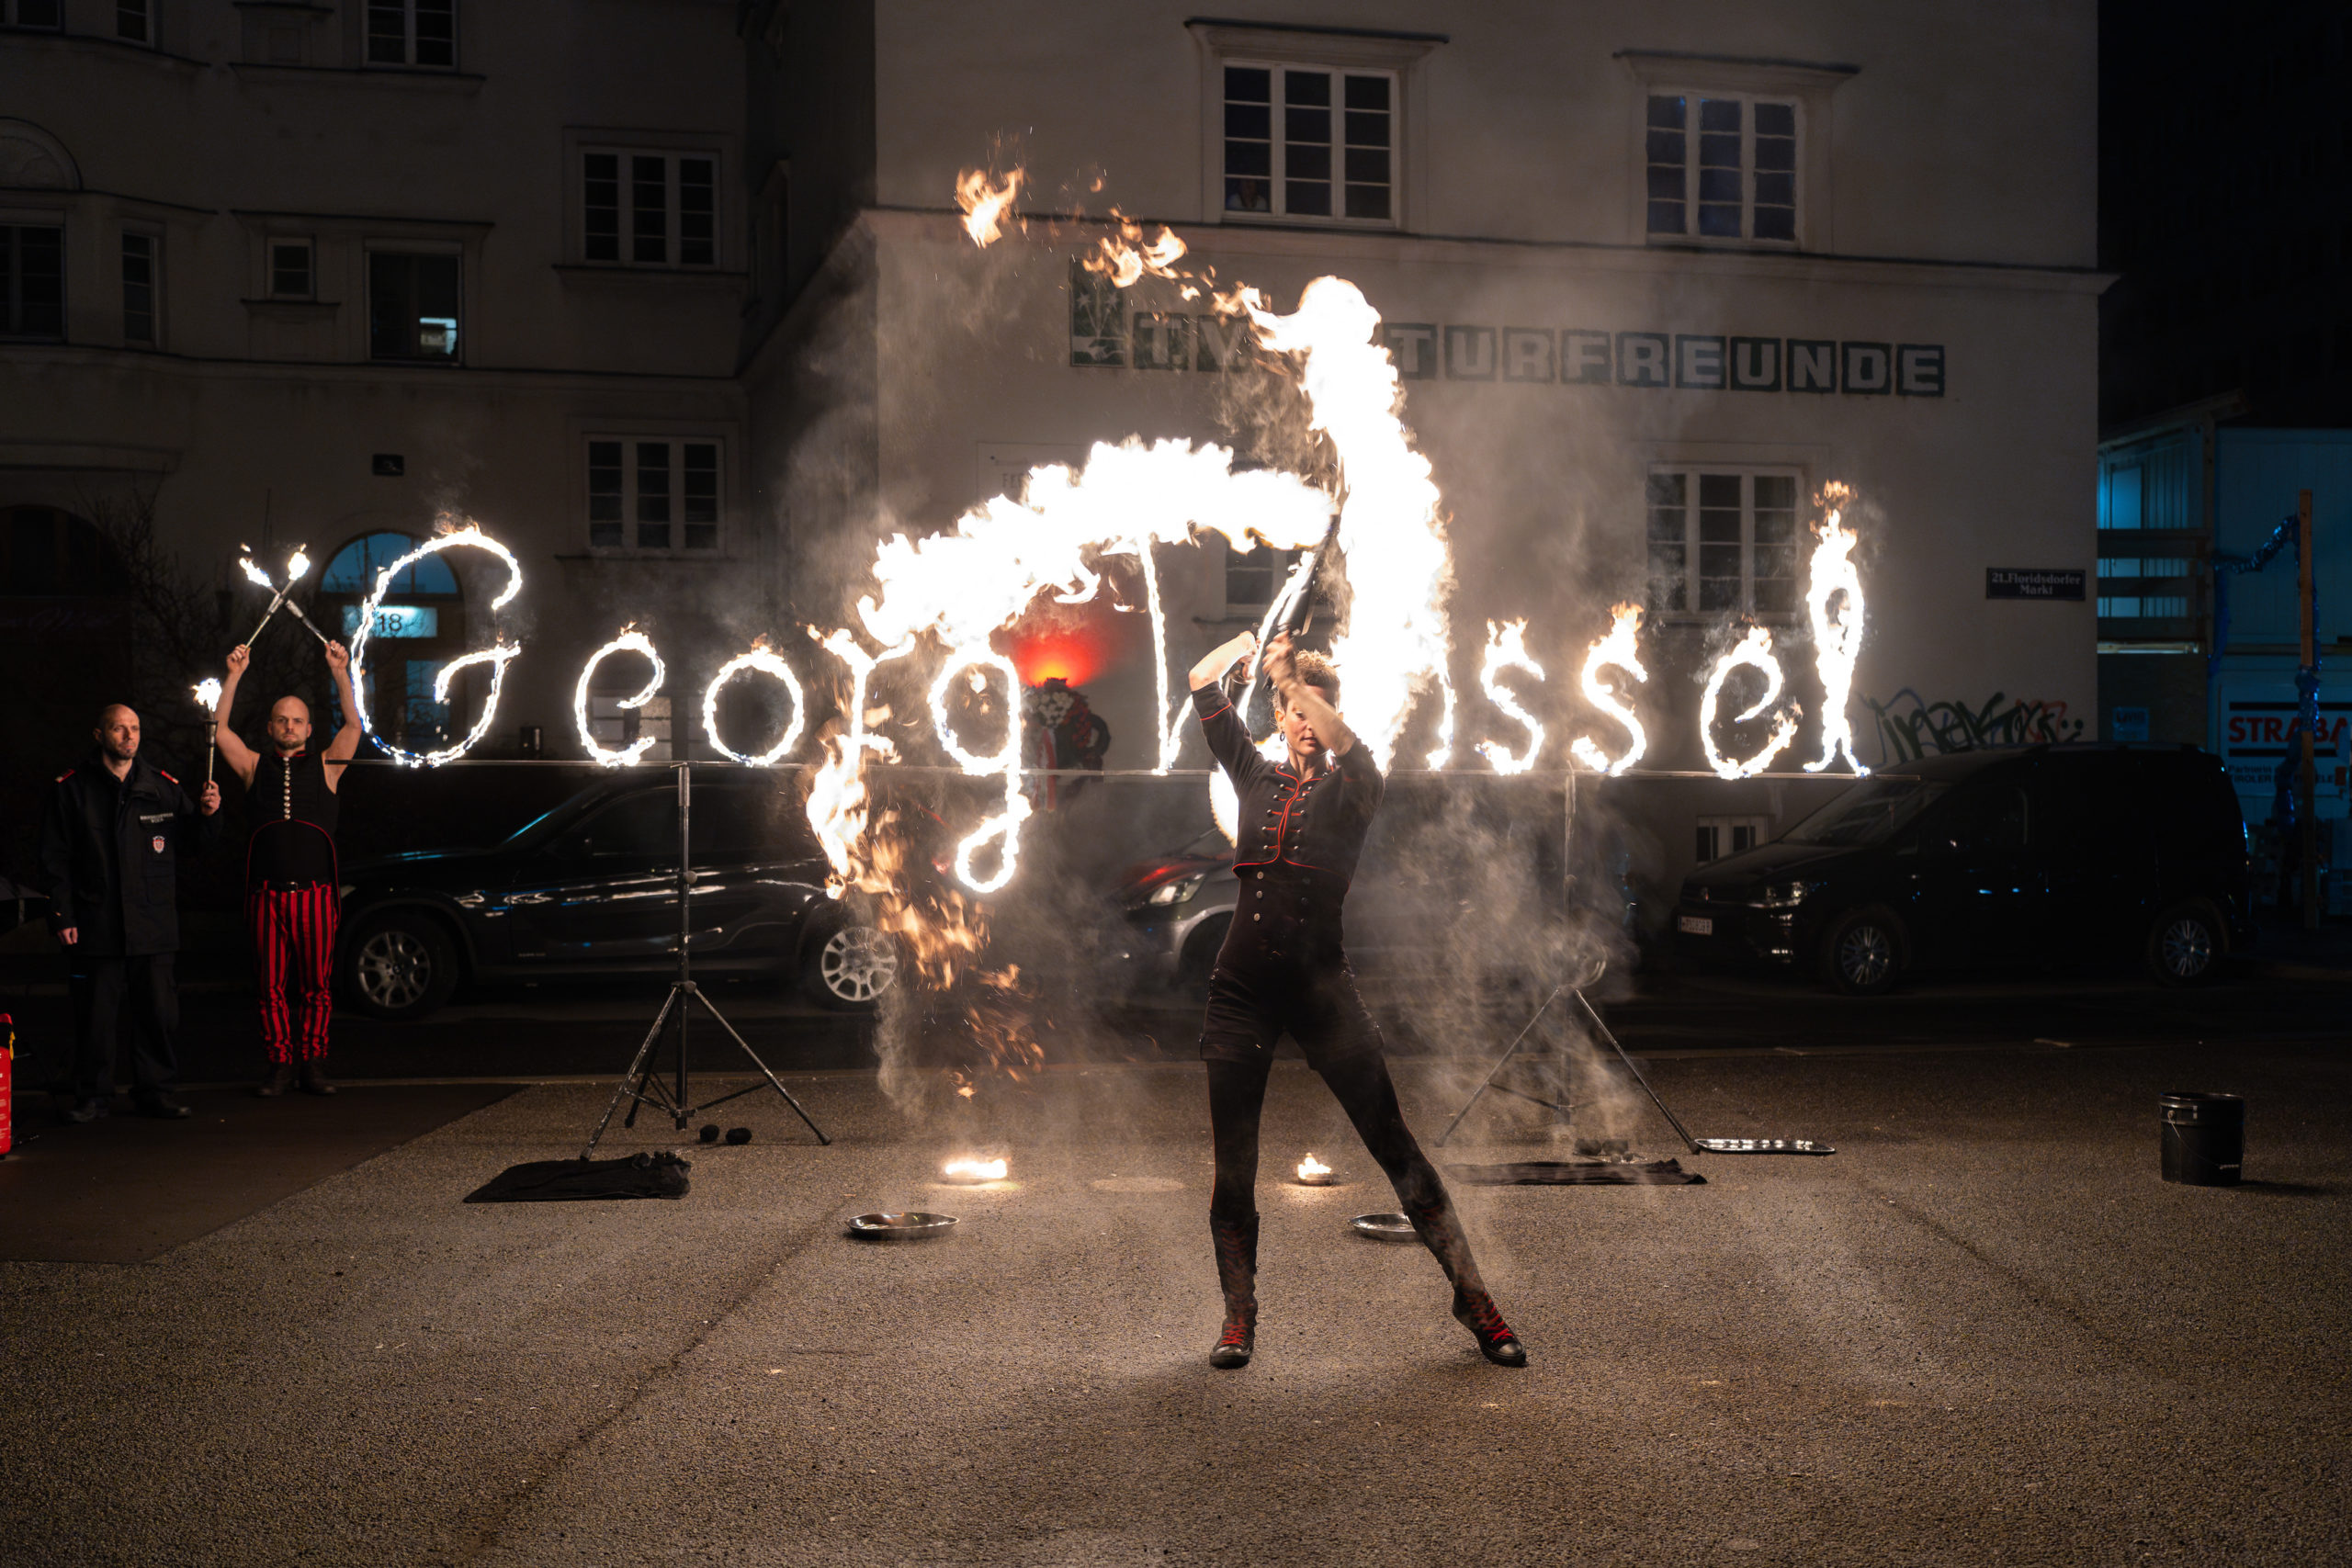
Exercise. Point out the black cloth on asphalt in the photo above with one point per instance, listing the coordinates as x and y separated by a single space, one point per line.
1578 1173
652 1175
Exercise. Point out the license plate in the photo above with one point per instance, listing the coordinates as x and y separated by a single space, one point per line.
1698 925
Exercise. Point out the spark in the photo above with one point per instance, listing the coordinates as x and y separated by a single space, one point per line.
975 1169
1619 651
1754 651
1836 640
497 657
1507 649
631 640
985 202
1126 257
207 693
766 662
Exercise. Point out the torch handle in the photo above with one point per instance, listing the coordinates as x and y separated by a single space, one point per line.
211 746
1298 613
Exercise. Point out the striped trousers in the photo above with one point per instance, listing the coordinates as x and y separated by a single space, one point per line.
293 953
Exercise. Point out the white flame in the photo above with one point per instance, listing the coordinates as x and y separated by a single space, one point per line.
1621 650
836 808
1400 570
1836 641
498 656
255 575
1507 649
1310 1167
300 566
207 693
980 656
984 202
975 1169
631 640
1754 650
767 663
1225 806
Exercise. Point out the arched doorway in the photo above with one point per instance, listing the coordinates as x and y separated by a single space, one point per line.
419 627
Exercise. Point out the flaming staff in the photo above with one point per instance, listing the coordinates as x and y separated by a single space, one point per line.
1007 827
1754 651
1620 650
296 570
631 640
497 657
208 697
1836 639
761 659
1507 649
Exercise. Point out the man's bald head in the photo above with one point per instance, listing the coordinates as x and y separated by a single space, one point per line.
289 724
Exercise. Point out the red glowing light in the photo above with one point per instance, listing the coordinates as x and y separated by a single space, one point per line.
1076 653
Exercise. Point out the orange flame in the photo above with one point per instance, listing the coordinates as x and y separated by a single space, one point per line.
985 203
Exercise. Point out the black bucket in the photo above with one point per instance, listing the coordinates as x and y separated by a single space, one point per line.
2204 1138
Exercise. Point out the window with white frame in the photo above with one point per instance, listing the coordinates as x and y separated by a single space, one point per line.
32 281
1722 167
134 20
1723 541
652 494
412 32
293 269
649 209
1310 142
143 258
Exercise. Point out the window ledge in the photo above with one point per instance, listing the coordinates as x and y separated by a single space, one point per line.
49 41
1312 225
458 83
1733 71
308 5
273 307
614 275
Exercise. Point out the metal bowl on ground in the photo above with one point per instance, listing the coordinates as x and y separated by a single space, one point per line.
1384 1227
913 1225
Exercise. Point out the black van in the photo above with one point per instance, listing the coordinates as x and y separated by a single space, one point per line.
2042 855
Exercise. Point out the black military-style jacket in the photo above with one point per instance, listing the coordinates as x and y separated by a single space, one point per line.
1299 841
109 856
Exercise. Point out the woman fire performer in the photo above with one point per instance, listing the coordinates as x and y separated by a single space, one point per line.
1283 967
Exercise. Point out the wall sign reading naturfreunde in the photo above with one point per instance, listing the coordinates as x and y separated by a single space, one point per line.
1103 333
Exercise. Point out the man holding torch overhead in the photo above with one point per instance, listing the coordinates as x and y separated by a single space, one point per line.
291 869
110 844
1284 968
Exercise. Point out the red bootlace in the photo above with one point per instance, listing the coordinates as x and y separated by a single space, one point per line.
1484 1322
1237 1333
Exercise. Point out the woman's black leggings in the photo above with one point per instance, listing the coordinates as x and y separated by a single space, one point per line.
1237 1097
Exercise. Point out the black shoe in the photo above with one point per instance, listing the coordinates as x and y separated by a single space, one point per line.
315 1076
277 1081
1475 1310
1234 1345
90 1110
162 1108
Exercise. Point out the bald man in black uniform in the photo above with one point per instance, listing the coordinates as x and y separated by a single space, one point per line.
1284 968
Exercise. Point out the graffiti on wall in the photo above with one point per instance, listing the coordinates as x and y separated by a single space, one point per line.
1910 727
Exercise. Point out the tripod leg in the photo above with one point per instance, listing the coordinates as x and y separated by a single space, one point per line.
1679 1131
1483 1088
627 1086
773 1082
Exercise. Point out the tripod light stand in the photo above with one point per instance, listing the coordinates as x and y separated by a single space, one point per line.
643 1085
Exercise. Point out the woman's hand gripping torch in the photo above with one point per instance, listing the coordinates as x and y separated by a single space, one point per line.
1290 614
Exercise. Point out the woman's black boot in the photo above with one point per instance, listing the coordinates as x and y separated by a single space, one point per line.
1441 1231
1237 1273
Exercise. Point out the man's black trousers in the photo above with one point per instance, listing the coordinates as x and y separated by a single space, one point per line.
117 1001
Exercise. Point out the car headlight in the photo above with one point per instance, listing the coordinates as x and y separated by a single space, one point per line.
1179 891
1783 895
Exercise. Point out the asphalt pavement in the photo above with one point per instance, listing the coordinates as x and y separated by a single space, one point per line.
1985 1331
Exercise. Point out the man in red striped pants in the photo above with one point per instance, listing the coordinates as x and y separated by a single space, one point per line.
291 872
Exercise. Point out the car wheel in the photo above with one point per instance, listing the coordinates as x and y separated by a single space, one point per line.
2186 944
853 969
1862 954
400 967
1199 957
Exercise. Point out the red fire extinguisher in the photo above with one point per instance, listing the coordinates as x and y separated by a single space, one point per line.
7 1084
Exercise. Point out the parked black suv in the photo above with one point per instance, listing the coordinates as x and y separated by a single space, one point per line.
591 888
2043 855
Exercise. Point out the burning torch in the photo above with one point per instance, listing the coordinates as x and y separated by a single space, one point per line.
1291 612
208 695
294 570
